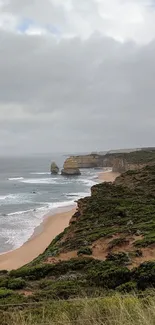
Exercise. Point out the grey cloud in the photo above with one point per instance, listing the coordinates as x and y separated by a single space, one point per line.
75 95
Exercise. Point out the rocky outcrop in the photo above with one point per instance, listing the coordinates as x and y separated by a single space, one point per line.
70 172
54 168
70 168
87 161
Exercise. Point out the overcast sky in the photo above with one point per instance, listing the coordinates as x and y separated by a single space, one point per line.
76 75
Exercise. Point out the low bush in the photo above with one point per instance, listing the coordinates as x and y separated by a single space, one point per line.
34 272
147 241
144 275
5 293
119 259
16 284
60 290
84 251
127 287
108 275
118 242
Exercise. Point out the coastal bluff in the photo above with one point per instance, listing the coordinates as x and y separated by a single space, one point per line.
118 162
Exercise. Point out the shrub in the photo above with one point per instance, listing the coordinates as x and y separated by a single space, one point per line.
16 284
60 290
118 242
3 282
119 259
144 275
108 275
5 293
84 251
148 240
41 271
34 272
3 272
127 287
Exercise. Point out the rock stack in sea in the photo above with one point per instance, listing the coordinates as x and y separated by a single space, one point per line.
54 168
70 168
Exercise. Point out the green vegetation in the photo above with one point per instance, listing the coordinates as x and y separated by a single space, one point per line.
77 277
84 251
13 284
111 310
118 242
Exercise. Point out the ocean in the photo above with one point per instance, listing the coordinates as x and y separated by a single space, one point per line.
28 192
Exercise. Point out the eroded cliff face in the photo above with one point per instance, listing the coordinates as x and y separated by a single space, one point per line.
70 167
70 163
87 161
121 165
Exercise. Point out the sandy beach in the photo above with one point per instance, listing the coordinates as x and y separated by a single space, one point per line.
108 176
44 234
49 229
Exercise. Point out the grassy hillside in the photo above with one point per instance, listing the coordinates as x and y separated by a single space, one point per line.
109 245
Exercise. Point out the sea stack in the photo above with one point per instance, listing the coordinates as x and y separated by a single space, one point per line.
54 168
70 168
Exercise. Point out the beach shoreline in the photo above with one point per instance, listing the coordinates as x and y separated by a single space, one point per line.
108 176
52 225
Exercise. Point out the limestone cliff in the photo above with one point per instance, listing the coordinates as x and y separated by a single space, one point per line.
119 162
86 161
133 160
121 165
70 167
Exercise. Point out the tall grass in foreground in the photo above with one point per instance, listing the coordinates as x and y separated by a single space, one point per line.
115 310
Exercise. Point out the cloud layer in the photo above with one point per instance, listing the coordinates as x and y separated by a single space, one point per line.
76 75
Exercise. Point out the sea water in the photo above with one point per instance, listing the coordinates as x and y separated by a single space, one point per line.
28 192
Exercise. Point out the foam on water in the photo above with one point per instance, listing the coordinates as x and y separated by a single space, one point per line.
39 181
27 221
15 178
88 182
40 173
18 198
3 197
